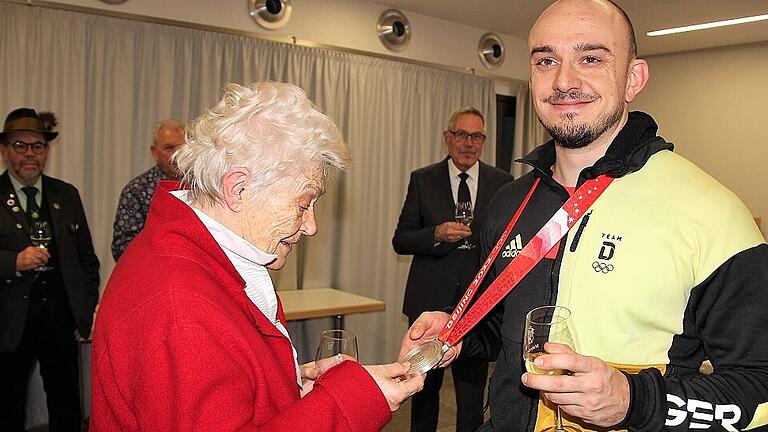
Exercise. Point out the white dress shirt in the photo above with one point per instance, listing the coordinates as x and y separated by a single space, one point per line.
250 262
22 197
473 172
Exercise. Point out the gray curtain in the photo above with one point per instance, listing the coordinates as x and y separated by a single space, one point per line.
529 133
109 80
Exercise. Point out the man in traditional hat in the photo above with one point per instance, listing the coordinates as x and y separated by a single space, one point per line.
48 292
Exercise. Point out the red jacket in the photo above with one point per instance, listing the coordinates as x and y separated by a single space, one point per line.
178 346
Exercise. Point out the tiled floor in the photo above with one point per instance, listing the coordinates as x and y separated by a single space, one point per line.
401 419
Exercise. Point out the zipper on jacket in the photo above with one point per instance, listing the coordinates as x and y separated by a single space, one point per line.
579 231
554 271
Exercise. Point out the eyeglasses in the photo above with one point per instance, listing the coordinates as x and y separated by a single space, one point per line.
462 135
37 146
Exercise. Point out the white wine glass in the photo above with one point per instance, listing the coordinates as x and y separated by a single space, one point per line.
335 346
40 235
547 324
464 216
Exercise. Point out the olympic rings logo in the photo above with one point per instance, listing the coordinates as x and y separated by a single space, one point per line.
604 268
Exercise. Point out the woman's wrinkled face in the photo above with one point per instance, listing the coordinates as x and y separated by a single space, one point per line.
275 219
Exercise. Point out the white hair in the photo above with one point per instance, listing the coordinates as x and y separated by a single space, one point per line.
169 124
270 128
467 110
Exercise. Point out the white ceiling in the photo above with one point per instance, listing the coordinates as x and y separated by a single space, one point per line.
515 18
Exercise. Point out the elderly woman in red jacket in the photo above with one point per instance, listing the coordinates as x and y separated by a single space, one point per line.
190 334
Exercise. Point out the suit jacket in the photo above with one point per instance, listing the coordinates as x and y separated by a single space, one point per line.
77 261
440 273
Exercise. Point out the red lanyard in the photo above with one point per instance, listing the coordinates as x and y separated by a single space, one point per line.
533 252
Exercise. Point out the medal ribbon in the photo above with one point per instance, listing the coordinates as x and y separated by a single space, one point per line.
533 252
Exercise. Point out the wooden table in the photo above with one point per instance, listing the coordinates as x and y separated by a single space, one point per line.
325 302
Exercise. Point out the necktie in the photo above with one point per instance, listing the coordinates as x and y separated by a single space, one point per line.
33 210
464 195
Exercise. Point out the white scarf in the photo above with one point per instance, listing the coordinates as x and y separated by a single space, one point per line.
250 262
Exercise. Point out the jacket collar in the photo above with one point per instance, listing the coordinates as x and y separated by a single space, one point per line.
11 202
630 150
184 235
53 199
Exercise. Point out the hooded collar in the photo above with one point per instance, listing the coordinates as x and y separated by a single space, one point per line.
630 150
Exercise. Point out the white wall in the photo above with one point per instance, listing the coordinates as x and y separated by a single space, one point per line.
713 105
343 23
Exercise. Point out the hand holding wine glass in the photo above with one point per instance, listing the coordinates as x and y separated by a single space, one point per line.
546 324
31 257
339 345
40 235
335 346
464 216
591 389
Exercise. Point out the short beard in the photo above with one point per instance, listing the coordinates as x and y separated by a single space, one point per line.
572 135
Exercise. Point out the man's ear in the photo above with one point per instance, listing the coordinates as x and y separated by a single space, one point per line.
636 79
154 150
233 187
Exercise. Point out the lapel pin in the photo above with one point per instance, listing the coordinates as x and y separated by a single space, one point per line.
10 202
56 205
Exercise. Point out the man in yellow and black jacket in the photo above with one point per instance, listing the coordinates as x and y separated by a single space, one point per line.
665 270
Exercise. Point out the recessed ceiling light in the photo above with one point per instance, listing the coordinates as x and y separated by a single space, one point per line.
709 25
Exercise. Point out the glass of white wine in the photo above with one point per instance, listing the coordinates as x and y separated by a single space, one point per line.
335 346
464 216
40 235
546 324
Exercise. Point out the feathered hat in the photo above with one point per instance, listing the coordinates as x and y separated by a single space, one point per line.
27 120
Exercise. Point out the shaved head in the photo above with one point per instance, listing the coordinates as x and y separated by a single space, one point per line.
626 23
630 29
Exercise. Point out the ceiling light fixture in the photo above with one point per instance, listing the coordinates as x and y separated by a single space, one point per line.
709 25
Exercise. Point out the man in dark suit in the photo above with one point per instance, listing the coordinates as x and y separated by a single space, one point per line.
47 294
443 263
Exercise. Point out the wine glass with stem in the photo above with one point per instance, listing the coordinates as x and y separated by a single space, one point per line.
547 324
464 216
335 346
40 235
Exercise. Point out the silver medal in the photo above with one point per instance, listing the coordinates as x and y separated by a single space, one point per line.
424 357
